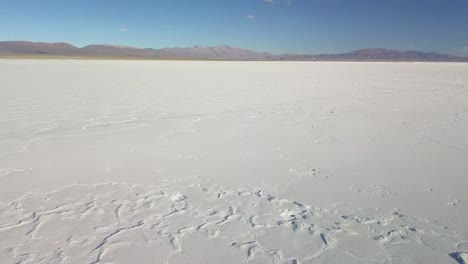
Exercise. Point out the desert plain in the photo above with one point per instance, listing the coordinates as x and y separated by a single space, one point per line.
233 162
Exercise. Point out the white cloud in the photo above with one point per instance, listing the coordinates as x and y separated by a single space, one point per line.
250 17
282 2
123 30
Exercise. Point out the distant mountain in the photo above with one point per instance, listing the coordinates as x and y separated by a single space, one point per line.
389 55
117 51
224 52
36 48
64 49
218 52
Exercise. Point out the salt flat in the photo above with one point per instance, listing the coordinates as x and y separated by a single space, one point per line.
233 162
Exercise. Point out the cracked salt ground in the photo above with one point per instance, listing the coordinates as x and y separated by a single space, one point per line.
303 162
178 222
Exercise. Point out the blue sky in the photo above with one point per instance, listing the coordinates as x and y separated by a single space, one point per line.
278 26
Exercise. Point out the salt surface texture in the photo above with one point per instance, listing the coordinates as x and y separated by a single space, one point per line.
233 162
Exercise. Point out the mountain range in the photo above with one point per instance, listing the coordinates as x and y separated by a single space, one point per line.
223 52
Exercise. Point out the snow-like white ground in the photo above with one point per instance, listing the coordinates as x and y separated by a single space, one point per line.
233 162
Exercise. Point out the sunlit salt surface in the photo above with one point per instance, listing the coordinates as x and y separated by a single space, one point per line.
233 162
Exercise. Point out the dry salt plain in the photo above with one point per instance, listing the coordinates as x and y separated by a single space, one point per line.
233 162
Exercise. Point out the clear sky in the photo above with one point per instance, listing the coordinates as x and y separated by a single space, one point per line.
278 26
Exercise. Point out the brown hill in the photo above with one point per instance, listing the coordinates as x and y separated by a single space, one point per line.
224 52
389 55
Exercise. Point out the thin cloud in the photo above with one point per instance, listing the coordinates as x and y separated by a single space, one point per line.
280 2
250 17
123 30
